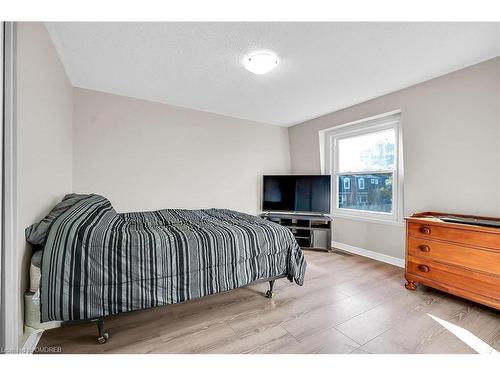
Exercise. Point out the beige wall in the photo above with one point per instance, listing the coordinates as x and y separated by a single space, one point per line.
498 122
44 135
146 156
451 133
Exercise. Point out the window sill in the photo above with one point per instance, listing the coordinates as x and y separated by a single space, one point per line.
375 220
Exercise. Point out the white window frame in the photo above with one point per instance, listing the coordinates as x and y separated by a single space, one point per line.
328 147
361 181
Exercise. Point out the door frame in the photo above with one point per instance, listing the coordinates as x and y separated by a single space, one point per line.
10 280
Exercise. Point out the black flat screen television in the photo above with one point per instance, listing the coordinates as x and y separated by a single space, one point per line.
297 193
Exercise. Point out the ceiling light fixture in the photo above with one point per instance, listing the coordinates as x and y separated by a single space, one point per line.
260 62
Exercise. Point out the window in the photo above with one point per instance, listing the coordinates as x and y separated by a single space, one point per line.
347 183
342 198
369 153
362 199
361 183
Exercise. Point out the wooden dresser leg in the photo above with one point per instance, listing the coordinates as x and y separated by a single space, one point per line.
410 285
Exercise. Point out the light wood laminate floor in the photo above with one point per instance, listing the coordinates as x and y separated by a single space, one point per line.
348 304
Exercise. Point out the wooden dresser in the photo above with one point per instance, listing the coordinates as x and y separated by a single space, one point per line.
460 259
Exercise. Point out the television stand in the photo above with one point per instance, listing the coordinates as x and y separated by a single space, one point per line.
311 231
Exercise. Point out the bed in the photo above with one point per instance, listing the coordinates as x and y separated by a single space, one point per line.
97 262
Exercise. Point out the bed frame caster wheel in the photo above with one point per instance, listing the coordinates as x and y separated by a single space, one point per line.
103 339
103 335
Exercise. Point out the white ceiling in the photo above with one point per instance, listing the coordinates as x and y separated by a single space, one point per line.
323 66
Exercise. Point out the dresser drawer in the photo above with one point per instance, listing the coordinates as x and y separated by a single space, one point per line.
473 281
461 236
482 260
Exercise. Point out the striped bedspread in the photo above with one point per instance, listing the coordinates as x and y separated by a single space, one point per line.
98 262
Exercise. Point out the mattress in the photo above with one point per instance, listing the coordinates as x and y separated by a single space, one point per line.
35 271
32 297
97 262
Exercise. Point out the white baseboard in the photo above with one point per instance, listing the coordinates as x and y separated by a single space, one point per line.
32 340
369 254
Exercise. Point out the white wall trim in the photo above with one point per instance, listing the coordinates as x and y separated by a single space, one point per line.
369 254
11 295
2 271
363 120
368 219
32 341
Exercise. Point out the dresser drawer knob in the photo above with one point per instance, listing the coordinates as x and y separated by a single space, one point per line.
425 230
424 248
423 268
